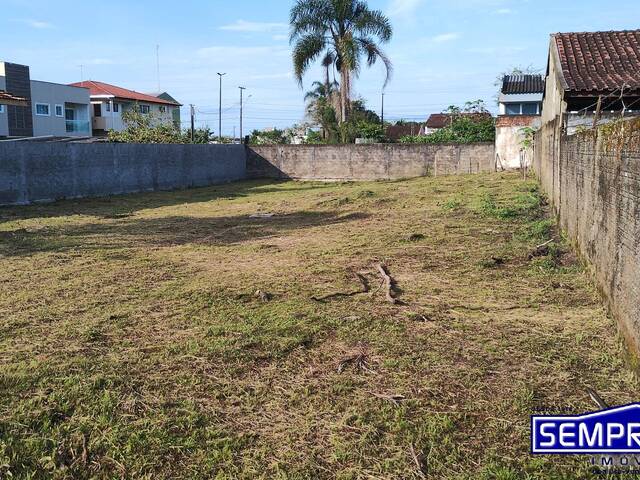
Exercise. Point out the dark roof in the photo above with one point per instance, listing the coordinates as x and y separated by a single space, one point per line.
521 84
101 89
396 132
599 62
441 120
9 99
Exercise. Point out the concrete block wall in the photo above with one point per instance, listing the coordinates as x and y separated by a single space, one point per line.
594 181
367 162
40 172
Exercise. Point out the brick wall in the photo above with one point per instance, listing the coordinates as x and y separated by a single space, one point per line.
594 181
367 162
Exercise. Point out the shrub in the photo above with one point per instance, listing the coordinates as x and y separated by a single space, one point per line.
461 130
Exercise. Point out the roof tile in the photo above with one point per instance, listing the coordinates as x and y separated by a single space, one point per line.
599 62
100 88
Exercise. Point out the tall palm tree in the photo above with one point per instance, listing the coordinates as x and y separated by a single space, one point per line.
342 32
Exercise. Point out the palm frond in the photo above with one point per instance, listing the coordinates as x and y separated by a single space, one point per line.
375 53
306 50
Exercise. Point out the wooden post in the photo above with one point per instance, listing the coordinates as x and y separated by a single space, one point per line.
596 119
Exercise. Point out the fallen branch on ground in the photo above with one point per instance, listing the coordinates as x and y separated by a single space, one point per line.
394 398
365 289
359 361
541 250
420 462
388 283
597 399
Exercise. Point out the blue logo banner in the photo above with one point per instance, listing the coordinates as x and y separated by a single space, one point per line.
611 431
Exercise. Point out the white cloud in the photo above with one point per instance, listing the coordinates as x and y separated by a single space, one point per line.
504 11
39 24
220 51
254 27
280 38
101 61
496 51
445 37
403 8
274 76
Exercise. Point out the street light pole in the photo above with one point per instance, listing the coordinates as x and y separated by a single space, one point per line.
242 89
220 109
383 109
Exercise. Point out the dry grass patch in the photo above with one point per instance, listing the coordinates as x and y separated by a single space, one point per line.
176 335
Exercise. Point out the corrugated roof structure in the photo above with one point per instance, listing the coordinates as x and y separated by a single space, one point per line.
522 84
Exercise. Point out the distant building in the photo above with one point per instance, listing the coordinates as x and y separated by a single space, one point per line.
176 111
40 108
396 132
520 103
109 102
590 69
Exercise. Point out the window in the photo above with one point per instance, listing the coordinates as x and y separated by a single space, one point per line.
59 111
116 107
42 109
529 108
1 108
143 109
108 104
97 110
163 109
512 108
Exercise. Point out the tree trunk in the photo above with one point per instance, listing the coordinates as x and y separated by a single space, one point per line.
345 95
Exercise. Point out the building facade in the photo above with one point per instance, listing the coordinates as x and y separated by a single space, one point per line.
50 109
109 103
520 102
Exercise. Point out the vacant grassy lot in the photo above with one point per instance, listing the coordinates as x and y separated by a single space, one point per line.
174 335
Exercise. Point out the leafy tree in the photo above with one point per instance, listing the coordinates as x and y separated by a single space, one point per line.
342 32
475 106
463 129
320 108
269 137
145 128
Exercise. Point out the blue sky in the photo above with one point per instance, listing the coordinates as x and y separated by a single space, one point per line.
444 51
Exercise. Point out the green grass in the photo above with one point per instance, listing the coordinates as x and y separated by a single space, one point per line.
134 342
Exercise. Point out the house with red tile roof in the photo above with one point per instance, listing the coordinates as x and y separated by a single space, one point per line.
592 76
109 102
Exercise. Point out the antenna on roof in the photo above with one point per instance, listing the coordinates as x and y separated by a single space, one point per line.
158 65
81 72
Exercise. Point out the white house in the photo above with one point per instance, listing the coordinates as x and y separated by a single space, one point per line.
109 102
520 107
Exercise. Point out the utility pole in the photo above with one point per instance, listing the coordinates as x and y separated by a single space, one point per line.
158 65
193 122
382 116
220 109
242 89
81 73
